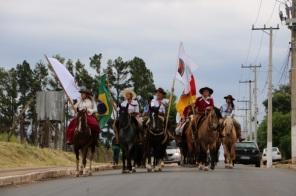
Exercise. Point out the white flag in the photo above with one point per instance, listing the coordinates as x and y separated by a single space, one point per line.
184 74
65 78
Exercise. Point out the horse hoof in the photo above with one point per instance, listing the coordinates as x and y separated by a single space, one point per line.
149 170
230 167
212 167
90 174
77 174
80 172
206 168
200 167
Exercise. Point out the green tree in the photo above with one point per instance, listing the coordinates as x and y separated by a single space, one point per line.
118 76
281 122
141 79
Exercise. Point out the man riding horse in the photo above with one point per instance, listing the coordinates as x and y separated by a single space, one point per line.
88 104
227 110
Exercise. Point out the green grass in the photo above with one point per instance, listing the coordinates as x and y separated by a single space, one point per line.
13 155
4 136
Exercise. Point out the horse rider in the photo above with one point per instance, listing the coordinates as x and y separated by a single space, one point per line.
205 102
88 104
187 114
133 108
159 101
227 110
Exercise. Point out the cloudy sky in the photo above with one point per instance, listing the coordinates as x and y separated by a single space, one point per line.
215 33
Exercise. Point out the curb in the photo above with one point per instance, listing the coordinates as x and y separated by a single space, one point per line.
43 175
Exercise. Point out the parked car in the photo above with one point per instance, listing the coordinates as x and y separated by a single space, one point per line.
276 155
173 153
248 153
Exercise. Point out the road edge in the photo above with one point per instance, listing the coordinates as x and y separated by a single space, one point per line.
45 175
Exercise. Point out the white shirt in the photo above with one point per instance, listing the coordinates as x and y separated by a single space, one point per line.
226 111
88 105
133 107
162 104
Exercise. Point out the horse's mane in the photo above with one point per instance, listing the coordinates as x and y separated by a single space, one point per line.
218 112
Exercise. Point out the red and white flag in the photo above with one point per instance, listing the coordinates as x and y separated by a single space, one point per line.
186 77
184 73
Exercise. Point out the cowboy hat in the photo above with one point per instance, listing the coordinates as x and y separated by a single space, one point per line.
160 90
83 89
206 89
229 97
128 91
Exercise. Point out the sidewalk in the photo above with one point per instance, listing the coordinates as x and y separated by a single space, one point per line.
26 175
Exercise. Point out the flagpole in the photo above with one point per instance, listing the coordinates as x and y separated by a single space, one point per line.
68 97
171 95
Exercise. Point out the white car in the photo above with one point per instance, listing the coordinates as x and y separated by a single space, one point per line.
173 153
276 155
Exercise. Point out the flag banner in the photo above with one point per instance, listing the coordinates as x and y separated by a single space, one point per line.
104 96
186 77
65 78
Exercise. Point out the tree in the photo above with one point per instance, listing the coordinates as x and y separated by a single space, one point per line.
141 79
281 122
118 76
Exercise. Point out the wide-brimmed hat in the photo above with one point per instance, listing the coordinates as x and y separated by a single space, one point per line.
206 89
83 89
160 90
128 91
229 97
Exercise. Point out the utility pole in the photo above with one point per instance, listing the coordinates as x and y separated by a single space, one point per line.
255 104
250 107
290 20
245 117
269 107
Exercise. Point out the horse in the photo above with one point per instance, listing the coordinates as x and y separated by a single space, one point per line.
207 136
84 139
127 138
189 145
229 140
157 139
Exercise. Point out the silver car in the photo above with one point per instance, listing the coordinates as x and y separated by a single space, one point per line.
173 153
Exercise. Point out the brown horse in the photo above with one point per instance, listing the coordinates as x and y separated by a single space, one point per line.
190 143
83 140
229 140
207 140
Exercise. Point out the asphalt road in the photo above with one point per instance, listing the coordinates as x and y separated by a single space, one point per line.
177 181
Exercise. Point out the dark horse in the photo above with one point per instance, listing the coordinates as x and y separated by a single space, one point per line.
157 139
83 140
127 138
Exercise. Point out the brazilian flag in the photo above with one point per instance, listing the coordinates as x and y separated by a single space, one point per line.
105 99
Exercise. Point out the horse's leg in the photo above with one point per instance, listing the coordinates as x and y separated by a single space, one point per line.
84 156
232 156
129 160
123 159
213 152
76 150
93 148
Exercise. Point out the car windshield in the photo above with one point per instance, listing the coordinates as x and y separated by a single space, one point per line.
172 145
246 145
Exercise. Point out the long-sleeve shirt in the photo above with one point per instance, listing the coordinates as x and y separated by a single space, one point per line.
226 110
201 104
86 104
133 106
162 104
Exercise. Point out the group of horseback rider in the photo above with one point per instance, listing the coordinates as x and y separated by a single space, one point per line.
203 104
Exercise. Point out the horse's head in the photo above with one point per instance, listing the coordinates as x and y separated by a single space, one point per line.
156 121
213 119
82 120
228 127
124 116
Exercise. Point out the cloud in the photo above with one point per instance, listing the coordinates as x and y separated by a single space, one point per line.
215 34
